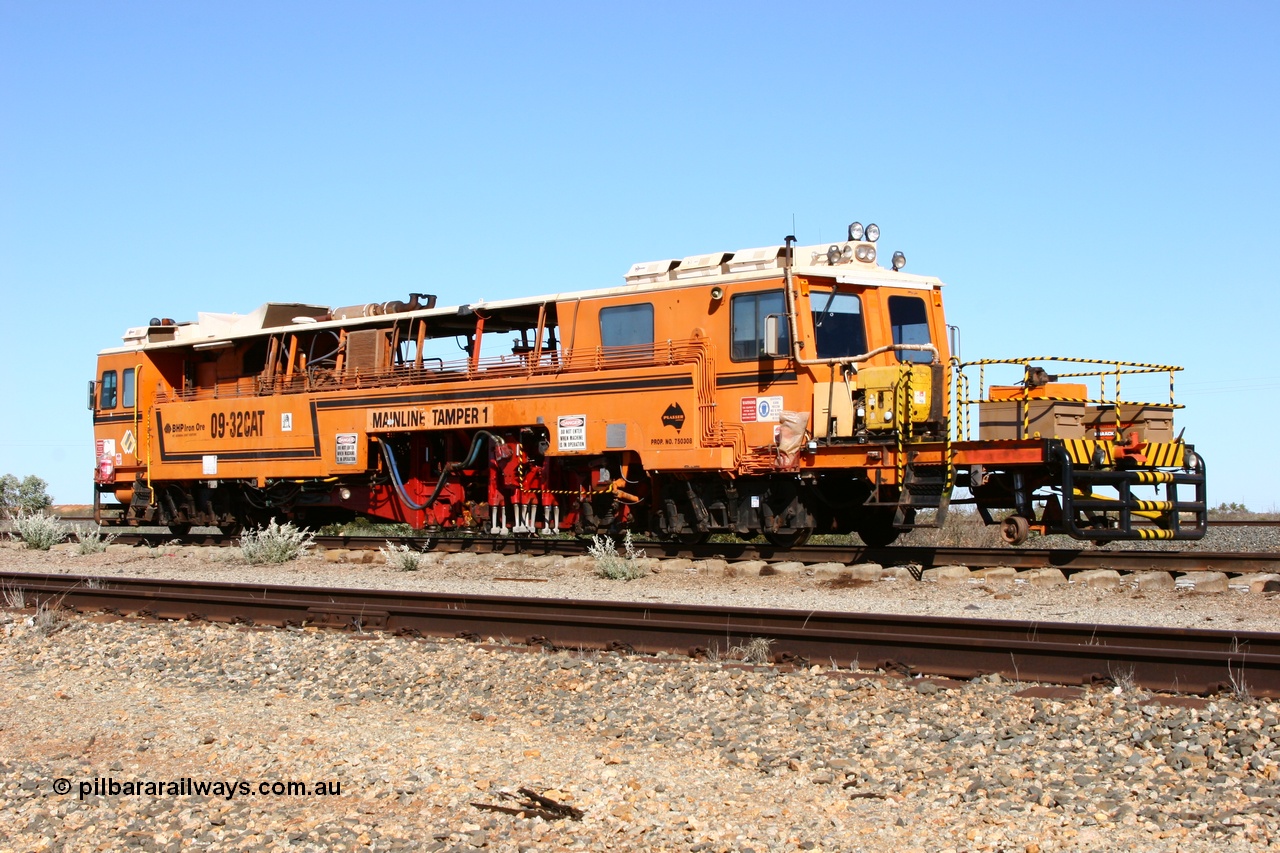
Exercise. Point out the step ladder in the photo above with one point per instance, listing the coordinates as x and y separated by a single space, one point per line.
923 487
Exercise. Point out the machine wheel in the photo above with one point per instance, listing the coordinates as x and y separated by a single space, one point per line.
875 528
231 529
793 539
1015 529
180 530
691 538
878 536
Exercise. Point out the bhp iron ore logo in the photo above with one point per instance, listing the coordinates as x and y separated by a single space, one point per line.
673 416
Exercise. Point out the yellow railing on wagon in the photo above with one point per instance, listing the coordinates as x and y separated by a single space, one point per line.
1105 371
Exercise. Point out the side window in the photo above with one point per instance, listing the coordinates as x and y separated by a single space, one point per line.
626 325
254 359
910 321
107 390
126 389
838 329
749 311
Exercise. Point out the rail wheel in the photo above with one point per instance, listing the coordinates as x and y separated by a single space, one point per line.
878 536
793 539
179 530
692 537
1015 529
876 529
230 529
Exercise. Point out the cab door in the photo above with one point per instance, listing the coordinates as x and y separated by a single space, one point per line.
118 422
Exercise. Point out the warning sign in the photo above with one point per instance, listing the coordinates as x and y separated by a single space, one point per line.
571 432
127 444
346 448
761 409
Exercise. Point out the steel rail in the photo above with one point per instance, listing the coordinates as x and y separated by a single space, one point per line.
1066 559
1180 659
1245 522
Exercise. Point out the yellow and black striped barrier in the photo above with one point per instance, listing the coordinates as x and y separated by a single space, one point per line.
1085 514
1159 454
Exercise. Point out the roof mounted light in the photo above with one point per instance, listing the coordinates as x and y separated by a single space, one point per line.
865 253
847 254
899 260
833 254
855 231
873 232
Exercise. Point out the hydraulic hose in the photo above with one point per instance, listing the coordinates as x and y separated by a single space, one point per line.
389 455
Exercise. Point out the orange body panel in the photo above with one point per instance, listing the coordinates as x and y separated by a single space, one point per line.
686 401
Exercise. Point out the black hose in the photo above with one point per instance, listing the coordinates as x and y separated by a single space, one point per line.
389 455
471 459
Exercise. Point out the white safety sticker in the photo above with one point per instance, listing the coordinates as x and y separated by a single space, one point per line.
209 465
286 421
346 448
571 432
761 409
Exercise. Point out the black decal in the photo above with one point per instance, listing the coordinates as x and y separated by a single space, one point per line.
673 416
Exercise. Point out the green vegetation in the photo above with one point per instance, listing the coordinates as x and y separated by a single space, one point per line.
1239 512
404 558
38 531
612 565
275 543
362 526
93 541
30 494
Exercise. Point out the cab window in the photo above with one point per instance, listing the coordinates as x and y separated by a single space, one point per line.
838 328
126 389
107 390
626 325
749 311
910 321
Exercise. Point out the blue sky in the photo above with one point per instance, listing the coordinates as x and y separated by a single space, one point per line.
1091 179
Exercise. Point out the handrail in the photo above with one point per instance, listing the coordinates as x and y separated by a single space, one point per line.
657 354
1107 368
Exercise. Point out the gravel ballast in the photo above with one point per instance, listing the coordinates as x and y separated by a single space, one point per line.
657 753
1152 598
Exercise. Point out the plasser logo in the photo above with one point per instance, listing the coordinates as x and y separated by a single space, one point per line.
673 416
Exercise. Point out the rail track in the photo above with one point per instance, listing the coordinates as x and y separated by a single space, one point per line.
1066 559
1180 660
1245 522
